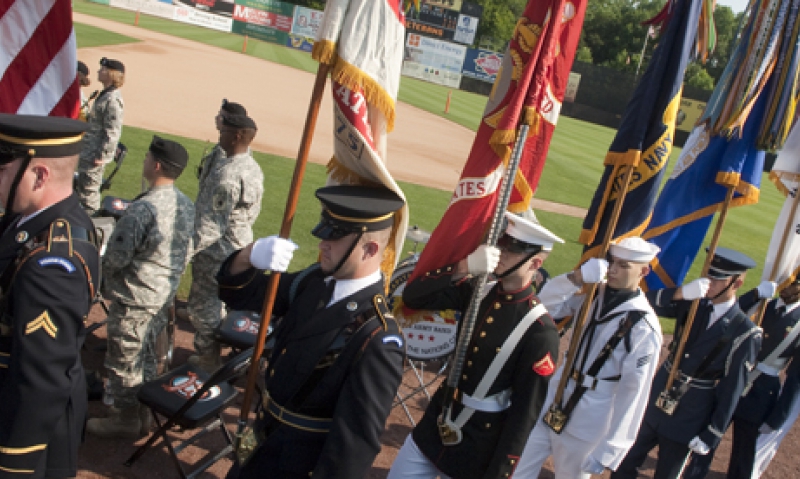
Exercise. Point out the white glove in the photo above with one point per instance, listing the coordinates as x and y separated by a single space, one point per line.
765 429
696 289
767 289
698 446
594 270
273 253
483 260
592 466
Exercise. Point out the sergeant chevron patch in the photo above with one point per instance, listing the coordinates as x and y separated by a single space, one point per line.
42 321
544 366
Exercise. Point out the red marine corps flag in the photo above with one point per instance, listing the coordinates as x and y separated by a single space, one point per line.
362 41
528 90
38 58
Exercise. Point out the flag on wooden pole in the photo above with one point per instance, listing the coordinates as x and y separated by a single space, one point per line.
362 41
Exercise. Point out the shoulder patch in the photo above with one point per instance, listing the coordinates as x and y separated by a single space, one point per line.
393 338
220 199
544 366
57 261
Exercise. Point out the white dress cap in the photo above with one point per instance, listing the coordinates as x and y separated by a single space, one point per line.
527 229
634 249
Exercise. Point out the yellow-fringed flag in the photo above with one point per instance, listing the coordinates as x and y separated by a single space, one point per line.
362 41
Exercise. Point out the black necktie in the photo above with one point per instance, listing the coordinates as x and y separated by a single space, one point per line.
327 294
781 310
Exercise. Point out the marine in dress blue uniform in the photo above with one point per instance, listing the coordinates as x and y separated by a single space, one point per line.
720 332
338 355
765 405
48 274
494 436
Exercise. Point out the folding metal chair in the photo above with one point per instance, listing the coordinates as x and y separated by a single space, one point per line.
189 398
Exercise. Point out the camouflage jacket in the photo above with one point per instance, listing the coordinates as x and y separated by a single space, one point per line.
105 127
227 205
148 249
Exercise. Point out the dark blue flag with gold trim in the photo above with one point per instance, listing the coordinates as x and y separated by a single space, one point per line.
709 165
644 139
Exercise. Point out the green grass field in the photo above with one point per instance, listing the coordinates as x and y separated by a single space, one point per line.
570 176
89 36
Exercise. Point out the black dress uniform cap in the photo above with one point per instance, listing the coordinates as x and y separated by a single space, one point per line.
233 108
39 136
239 121
82 68
727 263
351 209
169 152
112 64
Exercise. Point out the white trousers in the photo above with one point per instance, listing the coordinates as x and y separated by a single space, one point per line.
768 444
568 453
411 463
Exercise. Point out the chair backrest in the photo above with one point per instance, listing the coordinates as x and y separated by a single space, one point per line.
231 369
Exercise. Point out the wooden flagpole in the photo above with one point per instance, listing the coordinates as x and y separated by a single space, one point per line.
286 228
762 304
555 413
665 401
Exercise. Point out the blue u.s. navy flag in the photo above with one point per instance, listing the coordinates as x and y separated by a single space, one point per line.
696 189
644 139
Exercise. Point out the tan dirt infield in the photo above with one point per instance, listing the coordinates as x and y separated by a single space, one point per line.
174 85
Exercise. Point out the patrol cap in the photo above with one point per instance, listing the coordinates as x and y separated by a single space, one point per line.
352 209
727 263
82 68
112 64
233 108
39 136
525 235
169 152
634 249
239 121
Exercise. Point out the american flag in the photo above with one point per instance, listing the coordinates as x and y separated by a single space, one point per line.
38 58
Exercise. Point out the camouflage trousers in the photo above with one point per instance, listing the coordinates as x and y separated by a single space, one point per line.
87 186
131 358
204 307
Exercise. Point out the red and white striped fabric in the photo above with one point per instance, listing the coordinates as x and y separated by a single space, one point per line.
38 58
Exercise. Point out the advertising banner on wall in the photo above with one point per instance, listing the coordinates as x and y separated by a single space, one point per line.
451 4
688 114
300 42
200 18
148 7
255 16
260 32
306 22
272 6
482 64
218 7
465 30
433 60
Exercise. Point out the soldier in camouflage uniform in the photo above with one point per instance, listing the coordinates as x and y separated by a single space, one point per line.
105 129
227 205
142 266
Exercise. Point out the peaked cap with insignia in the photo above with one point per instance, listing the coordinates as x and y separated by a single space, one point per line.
352 209
39 136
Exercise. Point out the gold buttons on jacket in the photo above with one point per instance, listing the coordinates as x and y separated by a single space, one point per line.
483 334
509 297
512 462
488 425
283 351
498 349
469 364
489 320
475 349
464 377
497 305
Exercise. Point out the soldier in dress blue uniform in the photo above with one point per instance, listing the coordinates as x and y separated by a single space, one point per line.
721 349
765 405
338 355
494 426
49 266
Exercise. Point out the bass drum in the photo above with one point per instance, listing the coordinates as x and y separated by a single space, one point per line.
430 338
